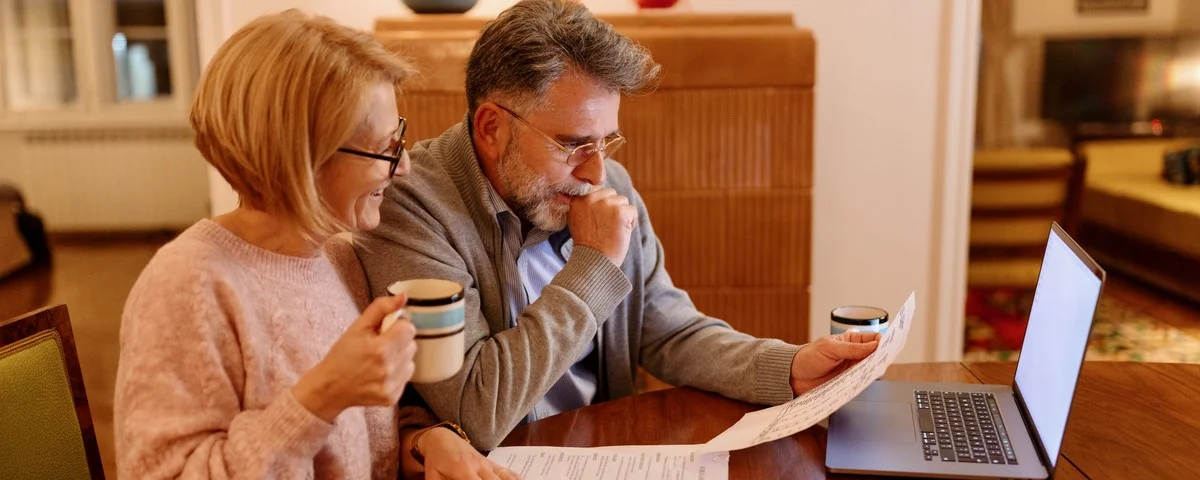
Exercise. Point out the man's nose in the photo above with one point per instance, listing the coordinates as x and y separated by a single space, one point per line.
592 169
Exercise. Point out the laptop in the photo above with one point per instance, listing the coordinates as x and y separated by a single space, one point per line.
983 431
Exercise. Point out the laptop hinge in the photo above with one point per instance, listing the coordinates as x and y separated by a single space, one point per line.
1033 433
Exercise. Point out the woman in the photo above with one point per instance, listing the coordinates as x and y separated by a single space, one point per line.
241 353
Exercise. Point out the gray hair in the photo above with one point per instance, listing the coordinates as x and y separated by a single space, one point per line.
533 43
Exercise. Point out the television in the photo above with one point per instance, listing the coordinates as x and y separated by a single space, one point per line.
1121 80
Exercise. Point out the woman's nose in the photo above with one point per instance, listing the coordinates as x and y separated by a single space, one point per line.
404 165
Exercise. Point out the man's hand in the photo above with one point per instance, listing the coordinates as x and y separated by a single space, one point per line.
604 221
820 361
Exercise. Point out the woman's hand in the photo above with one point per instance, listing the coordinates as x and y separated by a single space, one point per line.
365 367
448 456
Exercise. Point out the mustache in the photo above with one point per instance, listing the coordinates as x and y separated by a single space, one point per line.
574 189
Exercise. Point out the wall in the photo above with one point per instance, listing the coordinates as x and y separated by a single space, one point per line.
891 144
888 205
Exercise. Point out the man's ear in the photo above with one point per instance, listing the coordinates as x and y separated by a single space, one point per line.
489 132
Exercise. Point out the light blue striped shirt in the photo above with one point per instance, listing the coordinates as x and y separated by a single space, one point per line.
527 265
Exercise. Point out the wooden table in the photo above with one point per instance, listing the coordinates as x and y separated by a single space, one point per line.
1129 420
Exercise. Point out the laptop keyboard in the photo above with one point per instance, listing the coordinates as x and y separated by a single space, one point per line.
962 427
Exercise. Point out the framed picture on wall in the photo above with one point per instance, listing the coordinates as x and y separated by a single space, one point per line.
1112 6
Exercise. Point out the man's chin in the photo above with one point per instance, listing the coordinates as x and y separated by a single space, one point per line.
546 219
550 225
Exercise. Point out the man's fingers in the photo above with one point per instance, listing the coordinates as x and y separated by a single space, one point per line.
850 350
860 337
628 216
837 370
601 192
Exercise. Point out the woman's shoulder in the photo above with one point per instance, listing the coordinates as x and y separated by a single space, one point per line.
187 269
193 255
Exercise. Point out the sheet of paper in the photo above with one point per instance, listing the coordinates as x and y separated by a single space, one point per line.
808 409
666 462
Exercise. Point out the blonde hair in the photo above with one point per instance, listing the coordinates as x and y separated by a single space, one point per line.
278 99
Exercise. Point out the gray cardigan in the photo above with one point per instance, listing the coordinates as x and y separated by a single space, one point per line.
436 223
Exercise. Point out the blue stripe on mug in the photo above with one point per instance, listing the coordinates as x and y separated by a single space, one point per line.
430 320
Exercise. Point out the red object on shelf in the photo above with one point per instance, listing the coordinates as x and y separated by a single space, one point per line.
656 3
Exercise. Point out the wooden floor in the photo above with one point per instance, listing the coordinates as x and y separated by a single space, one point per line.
93 279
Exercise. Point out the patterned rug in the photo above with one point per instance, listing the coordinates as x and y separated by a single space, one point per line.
996 326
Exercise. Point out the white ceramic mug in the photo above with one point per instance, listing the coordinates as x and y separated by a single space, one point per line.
435 308
856 318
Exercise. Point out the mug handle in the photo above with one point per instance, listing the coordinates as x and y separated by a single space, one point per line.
391 318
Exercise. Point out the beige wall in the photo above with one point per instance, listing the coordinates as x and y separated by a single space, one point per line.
891 170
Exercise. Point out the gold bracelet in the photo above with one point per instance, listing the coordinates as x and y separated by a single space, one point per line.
416 452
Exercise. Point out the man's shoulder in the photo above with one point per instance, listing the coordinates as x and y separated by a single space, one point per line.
428 168
434 179
618 177
431 204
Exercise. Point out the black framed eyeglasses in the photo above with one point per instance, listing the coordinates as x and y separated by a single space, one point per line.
393 157
576 156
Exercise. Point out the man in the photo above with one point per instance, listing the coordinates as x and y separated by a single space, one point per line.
566 294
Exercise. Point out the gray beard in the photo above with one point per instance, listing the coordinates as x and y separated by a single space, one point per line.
531 196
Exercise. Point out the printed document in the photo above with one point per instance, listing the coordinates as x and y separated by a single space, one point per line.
710 461
817 404
674 462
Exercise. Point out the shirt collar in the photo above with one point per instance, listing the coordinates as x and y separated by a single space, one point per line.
561 241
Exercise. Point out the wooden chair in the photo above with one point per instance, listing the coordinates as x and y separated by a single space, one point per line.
1016 193
45 424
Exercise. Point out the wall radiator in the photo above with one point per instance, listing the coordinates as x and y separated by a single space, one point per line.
108 180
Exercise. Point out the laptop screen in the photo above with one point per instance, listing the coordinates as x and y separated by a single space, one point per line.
1059 324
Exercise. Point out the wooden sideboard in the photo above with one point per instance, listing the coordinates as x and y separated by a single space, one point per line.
721 152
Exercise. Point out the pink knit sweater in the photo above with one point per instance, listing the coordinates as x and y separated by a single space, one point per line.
215 333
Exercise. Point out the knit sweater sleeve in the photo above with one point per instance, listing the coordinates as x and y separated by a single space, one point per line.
178 406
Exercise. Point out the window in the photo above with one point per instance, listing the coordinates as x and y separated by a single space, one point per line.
139 48
94 60
38 54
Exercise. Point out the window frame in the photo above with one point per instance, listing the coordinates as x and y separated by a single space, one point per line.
93 24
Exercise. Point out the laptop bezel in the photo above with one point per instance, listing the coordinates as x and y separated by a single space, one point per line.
1056 229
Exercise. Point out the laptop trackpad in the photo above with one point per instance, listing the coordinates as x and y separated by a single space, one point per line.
877 422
